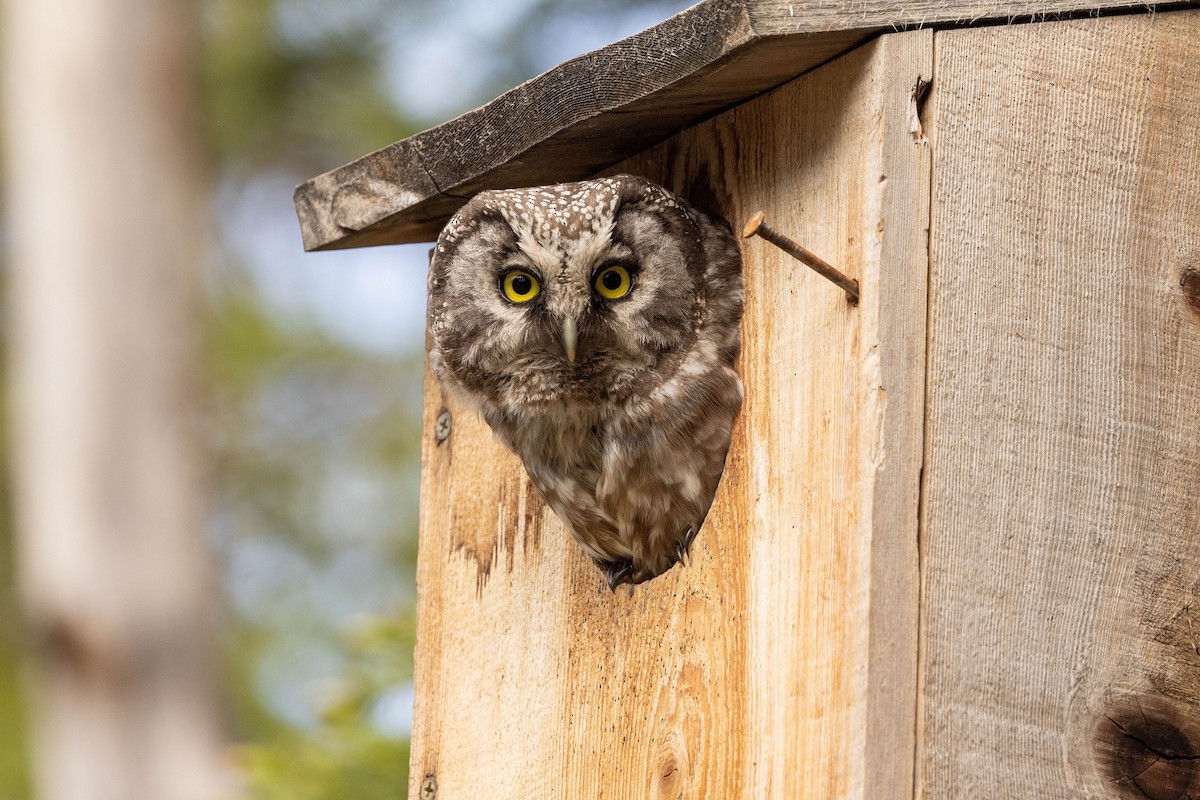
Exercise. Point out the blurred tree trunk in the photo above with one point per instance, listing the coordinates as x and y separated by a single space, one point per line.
102 198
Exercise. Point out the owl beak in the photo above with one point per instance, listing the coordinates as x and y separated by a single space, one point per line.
569 338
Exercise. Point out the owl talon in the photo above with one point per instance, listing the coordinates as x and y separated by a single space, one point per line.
683 547
616 573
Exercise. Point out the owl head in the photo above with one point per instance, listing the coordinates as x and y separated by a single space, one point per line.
585 294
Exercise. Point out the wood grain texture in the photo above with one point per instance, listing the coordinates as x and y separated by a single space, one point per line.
1060 555
781 662
592 111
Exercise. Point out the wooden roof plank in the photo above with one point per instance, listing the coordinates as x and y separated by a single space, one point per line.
592 111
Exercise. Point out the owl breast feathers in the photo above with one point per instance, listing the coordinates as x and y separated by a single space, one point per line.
595 326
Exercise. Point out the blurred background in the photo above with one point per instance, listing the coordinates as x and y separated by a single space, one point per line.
312 371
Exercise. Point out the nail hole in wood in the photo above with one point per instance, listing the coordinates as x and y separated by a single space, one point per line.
1190 282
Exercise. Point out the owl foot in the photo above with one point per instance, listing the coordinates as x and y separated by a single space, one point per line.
684 546
618 572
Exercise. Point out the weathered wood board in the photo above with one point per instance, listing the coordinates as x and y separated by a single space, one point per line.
781 662
592 111
1061 527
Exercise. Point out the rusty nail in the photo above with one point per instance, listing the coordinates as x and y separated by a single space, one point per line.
429 788
441 428
756 227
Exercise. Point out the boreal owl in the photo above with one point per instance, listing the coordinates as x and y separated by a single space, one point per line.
595 326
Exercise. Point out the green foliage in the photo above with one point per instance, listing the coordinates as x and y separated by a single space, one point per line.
342 409
332 766
271 99
290 406
14 756
14 768
343 758
294 85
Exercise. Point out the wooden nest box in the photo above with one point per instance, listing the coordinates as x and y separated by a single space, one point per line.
956 548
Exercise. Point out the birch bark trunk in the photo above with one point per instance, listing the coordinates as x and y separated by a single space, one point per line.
103 206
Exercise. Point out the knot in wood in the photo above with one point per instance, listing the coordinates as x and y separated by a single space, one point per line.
1142 748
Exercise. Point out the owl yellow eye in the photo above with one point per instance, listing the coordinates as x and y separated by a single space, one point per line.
519 286
614 282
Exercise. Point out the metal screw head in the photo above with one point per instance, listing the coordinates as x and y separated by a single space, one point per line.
441 428
429 785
